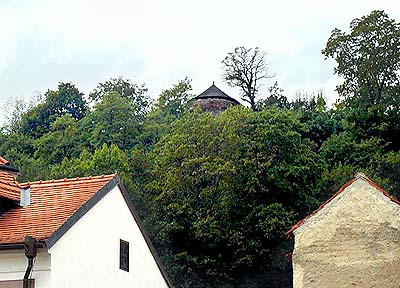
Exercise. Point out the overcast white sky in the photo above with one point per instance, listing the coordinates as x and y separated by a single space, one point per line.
160 42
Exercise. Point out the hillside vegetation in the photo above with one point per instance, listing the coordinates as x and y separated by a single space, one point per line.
217 193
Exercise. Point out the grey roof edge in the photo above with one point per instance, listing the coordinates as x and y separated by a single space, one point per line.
19 246
81 212
223 95
91 203
145 235
9 168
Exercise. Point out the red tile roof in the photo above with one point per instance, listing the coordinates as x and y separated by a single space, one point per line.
52 203
358 176
4 161
9 187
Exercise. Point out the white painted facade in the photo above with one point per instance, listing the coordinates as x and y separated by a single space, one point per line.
13 265
87 255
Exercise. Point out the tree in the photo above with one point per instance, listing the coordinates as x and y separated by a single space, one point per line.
174 101
67 99
59 142
245 68
170 105
114 120
136 94
225 189
276 98
368 59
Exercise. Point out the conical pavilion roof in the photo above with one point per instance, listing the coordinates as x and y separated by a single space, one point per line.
213 92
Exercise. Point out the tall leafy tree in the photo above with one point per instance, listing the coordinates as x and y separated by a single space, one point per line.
169 106
227 187
173 102
136 94
63 140
114 120
67 99
368 59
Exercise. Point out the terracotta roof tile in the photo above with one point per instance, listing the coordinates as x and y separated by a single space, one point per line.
4 161
9 187
52 203
358 176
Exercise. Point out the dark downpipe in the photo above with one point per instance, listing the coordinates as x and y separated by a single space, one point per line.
30 246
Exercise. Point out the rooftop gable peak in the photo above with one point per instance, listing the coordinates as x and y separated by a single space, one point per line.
357 177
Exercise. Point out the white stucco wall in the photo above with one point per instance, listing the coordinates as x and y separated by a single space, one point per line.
88 254
354 241
13 265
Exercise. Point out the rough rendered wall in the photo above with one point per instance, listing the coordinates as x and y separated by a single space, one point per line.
354 241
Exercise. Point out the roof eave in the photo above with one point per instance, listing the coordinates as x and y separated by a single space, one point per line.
359 176
9 168
52 240
19 246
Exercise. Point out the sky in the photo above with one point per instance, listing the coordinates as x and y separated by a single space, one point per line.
159 42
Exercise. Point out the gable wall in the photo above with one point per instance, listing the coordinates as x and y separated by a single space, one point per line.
13 265
354 241
88 254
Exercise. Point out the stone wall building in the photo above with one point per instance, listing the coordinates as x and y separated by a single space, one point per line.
352 240
213 100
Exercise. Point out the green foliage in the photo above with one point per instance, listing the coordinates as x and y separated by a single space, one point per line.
173 101
276 98
62 137
368 59
66 100
105 160
227 188
386 170
320 123
135 94
171 105
343 149
114 120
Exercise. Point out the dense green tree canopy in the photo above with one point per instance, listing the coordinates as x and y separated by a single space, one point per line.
66 100
368 58
170 105
217 192
136 94
227 188
114 120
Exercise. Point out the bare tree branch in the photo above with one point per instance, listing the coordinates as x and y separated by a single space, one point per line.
245 68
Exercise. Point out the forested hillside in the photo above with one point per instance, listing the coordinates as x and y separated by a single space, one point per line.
217 193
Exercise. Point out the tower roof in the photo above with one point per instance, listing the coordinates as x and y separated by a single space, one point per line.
213 92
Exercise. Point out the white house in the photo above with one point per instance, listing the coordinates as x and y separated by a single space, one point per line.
352 240
86 231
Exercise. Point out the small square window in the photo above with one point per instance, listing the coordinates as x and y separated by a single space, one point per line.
124 255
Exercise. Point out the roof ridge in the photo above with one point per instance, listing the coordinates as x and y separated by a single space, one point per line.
357 176
67 180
